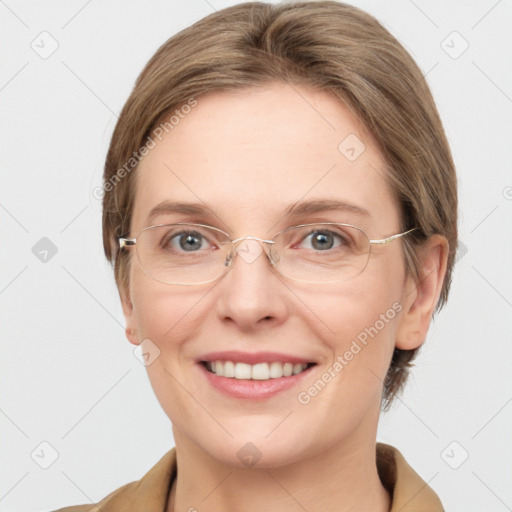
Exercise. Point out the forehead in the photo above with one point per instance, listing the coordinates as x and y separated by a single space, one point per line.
249 154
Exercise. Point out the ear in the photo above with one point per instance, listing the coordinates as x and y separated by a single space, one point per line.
129 315
420 296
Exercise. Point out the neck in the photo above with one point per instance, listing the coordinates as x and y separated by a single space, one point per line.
345 479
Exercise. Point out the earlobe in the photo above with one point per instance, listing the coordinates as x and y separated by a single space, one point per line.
130 336
420 296
129 315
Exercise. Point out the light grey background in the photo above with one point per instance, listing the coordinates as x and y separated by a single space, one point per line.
69 377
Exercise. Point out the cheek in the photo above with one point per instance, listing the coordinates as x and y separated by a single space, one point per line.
162 312
169 317
361 323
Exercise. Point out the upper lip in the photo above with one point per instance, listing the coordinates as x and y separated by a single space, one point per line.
253 357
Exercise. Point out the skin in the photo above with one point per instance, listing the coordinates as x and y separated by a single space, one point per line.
249 154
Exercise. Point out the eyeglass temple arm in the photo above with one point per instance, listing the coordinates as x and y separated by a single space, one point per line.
126 242
391 238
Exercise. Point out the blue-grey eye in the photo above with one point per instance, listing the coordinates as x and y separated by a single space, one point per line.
184 241
190 241
324 240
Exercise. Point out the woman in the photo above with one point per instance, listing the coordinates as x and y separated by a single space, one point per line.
281 211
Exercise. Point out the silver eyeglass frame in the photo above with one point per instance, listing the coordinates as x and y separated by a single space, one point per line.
125 243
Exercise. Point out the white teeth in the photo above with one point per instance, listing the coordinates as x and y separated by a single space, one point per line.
297 368
229 369
242 371
287 369
276 370
259 371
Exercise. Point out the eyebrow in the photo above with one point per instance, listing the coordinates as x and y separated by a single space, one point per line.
299 209
317 206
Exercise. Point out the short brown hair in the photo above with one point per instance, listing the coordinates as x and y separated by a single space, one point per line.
330 46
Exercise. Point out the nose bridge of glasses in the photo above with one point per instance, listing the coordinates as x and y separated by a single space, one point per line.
250 254
250 237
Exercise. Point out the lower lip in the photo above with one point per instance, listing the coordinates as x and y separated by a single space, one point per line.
253 389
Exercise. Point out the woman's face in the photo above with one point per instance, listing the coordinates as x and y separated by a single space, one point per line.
248 155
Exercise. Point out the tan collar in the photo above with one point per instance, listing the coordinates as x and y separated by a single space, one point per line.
408 491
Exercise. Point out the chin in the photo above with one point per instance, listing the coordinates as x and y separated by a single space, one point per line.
245 452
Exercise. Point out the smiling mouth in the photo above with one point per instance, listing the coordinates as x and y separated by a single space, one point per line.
259 371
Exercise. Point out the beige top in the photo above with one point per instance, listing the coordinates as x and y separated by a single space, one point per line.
409 493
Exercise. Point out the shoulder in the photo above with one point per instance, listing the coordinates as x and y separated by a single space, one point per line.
408 491
120 494
148 493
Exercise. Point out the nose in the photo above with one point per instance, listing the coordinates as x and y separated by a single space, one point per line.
251 291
